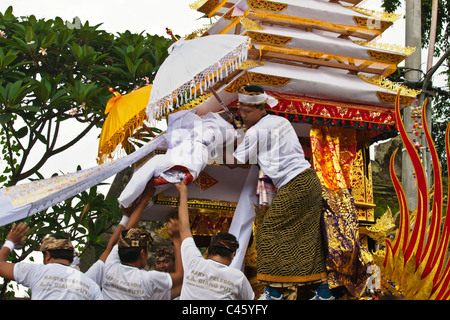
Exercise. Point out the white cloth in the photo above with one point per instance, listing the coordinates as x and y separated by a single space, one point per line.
191 63
242 224
26 199
191 141
96 272
54 281
274 145
123 282
206 279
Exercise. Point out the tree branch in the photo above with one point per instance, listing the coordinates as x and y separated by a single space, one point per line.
26 152
8 145
51 153
433 69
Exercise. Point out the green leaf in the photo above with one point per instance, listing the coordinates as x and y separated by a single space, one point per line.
14 89
22 132
29 34
40 137
129 64
5 118
37 92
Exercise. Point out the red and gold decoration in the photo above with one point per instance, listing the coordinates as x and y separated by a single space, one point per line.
204 181
207 217
362 185
379 122
414 265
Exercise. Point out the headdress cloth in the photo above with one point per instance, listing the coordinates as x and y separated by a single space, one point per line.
228 244
51 243
134 238
257 99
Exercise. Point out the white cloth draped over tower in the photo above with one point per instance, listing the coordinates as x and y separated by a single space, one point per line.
191 141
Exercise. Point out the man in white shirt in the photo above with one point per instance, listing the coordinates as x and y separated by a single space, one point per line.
55 279
119 271
290 249
125 278
211 278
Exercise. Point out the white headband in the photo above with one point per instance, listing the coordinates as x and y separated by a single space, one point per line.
257 99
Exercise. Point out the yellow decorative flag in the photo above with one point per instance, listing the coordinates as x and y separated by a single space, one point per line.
125 114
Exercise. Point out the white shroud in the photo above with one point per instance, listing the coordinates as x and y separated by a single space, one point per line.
191 141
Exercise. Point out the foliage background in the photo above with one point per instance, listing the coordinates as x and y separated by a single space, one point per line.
51 74
437 92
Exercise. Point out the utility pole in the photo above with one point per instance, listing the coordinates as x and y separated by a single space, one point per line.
430 70
413 38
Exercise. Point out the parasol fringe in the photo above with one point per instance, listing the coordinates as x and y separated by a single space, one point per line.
105 151
202 81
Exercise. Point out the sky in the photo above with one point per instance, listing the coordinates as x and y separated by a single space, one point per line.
152 16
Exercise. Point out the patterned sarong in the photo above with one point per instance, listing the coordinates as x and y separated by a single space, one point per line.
290 245
334 152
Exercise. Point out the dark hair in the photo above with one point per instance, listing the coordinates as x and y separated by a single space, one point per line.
130 254
222 250
65 254
254 88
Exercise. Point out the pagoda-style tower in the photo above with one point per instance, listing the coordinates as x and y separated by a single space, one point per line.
319 60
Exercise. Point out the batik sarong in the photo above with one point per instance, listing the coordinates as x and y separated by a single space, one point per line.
290 246
334 151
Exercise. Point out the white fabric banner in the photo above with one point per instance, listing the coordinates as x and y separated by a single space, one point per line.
23 200
244 216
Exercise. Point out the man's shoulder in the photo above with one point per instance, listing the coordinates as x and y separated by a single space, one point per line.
188 242
271 120
236 272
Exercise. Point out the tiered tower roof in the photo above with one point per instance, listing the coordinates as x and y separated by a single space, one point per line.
316 52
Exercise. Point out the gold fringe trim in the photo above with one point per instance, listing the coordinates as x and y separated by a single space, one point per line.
191 104
250 24
388 47
197 4
389 85
205 79
250 64
197 33
105 151
267 5
386 16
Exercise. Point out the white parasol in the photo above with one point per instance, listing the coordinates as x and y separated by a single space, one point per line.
194 65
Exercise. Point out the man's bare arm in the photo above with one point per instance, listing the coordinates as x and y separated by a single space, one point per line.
134 213
183 213
16 235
